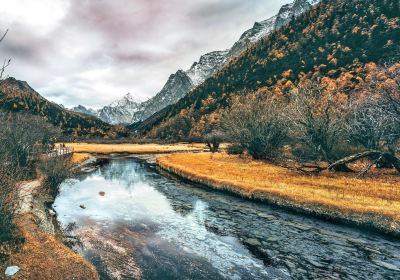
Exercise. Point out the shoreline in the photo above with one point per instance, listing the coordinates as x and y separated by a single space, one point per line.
372 222
44 254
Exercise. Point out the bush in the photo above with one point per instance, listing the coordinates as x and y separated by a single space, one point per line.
235 149
23 137
256 124
8 203
55 171
213 140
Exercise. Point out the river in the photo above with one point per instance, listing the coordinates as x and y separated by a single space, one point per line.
132 222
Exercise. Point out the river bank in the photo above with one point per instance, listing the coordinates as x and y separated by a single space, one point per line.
138 222
371 203
42 253
117 149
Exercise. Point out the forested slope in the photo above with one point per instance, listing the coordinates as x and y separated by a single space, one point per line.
337 38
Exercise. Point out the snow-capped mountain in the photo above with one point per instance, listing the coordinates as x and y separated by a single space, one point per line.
118 112
121 111
182 82
84 110
177 86
288 11
259 30
206 66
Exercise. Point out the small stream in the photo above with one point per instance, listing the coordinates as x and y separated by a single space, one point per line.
149 226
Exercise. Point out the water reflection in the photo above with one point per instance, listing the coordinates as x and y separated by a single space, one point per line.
133 231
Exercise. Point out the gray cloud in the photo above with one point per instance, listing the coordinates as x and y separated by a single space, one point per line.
91 52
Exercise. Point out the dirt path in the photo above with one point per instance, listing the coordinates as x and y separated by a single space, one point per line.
42 256
26 191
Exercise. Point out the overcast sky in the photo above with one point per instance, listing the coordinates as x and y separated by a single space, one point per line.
92 52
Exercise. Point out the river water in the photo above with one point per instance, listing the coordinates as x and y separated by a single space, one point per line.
132 222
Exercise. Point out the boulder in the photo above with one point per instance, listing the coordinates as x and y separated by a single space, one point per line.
12 270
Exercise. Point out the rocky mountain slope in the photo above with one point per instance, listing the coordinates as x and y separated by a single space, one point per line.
84 110
177 86
335 40
206 66
182 82
121 111
18 96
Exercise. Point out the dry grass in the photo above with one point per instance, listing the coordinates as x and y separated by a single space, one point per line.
341 192
79 158
134 148
42 257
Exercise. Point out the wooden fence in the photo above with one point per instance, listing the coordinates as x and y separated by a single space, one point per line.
59 152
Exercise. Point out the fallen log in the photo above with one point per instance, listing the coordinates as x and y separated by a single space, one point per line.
374 155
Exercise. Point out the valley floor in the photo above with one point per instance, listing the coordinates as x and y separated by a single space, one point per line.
372 202
134 148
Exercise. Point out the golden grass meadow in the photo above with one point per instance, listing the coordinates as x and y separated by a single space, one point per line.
248 177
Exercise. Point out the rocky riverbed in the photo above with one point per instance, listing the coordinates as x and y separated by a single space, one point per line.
145 225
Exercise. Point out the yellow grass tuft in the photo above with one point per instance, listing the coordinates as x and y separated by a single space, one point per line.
45 258
79 158
335 191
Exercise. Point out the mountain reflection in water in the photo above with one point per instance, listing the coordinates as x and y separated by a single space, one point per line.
147 226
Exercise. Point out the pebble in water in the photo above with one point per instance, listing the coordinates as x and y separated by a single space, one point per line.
12 270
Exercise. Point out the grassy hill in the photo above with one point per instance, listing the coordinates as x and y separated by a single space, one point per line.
334 39
18 96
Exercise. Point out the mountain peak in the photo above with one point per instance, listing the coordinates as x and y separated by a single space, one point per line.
129 97
206 66
23 85
294 9
127 100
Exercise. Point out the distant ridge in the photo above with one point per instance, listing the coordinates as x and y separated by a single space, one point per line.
18 96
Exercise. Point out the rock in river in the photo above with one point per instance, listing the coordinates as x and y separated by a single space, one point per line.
252 242
12 270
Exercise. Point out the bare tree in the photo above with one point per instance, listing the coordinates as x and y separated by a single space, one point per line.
6 62
371 125
374 118
315 118
256 123
23 136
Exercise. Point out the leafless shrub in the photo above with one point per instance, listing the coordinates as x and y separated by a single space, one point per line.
315 120
23 137
371 125
374 118
55 170
8 202
256 123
